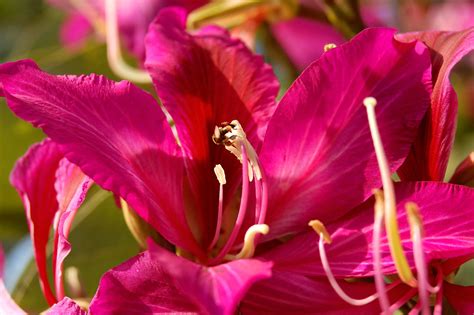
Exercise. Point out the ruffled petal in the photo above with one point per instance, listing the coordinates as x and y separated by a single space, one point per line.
290 293
6 302
71 187
459 297
318 151
447 222
66 306
115 132
34 177
217 289
203 80
303 39
429 156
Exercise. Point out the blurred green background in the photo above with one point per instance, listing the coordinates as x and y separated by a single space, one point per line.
29 29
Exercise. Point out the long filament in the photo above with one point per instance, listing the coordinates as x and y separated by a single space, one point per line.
242 208
219 217
114 54
391 224
378 274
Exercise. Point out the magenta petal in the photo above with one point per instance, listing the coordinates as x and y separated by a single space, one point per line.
71 187
459 297
75 30
217 289
115 132
303 39
290 293
66 306
429 157
7 304
350 254
34 177
318 151
140 286
464 173
204 80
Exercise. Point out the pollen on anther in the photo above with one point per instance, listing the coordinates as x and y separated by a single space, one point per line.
329 46
370 101
319 228
220 174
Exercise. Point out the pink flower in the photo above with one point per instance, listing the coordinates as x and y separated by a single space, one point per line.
242 240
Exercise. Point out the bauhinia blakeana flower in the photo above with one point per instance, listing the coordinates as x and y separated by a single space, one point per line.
233 189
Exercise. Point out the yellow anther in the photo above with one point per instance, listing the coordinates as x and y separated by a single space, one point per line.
319 228
379 202
248 249
220 174
390 207
329 46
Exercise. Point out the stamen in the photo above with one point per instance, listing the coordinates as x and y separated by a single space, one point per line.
220 174
114 54
242 209
86 9
416 228
391 224
324 237
438 308
405 298
378 274
248 249
329 46
233 137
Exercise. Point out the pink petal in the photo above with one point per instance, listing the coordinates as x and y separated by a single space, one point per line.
429 157
204 80
290 293
140 286
318 152
447 222
7 304
115 132
74 31
159 281
71 187
464 173
33 177
303 39
66 306
459 297
217 289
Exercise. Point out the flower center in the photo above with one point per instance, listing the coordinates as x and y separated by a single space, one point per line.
234 139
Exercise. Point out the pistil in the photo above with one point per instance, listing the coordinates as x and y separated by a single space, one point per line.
390 210
220 174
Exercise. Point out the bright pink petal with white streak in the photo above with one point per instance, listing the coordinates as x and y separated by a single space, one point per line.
203 80
290 293
459 297
115 132
429 157
304 39
33 177
6 302
66 307
71 186
318 152
217 289
448 226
